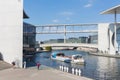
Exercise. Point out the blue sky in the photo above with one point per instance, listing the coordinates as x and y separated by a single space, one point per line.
42 12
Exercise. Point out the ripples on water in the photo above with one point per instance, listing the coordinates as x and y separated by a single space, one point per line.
96 67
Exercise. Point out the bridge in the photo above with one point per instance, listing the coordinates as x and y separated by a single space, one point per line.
66 29
70 45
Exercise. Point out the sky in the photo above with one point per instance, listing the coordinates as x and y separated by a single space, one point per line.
42 12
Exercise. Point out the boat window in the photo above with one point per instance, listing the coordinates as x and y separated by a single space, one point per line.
77 57
60 54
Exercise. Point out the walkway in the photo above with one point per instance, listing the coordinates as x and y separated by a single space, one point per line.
4 65
34 74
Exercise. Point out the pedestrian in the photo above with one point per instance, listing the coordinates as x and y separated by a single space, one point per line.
13 63
38 65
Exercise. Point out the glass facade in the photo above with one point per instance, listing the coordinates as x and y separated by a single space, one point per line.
29 37
118 39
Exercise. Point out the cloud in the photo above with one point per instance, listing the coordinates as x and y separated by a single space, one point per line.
88 5
55 20
66 13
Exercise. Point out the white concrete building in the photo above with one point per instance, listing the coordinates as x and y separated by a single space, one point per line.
109 34
11 31
106 39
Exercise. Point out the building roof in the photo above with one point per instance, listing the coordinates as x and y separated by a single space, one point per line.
25 16
113 10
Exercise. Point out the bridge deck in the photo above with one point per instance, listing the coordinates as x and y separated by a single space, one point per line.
70 45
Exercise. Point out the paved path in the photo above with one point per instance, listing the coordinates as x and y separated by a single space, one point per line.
4 65
34 74
45 73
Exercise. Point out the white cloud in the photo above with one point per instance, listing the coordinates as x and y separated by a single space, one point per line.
87 5
66 13
55 21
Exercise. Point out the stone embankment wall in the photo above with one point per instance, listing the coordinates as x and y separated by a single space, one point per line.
88 49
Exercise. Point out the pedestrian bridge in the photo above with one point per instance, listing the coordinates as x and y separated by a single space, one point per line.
70 45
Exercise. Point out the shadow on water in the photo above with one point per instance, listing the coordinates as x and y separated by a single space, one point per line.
1 56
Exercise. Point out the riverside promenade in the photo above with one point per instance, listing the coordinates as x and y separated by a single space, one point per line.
34 74
4 65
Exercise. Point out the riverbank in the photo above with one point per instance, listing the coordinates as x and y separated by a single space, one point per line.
90 50
94 51
87 49
32 73
105 55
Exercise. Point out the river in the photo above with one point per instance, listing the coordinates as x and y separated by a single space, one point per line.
96 67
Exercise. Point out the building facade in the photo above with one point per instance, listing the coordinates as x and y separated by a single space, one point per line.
106 39
11 32
29 38
12 38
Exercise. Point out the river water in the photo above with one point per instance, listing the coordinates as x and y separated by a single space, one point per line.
96 67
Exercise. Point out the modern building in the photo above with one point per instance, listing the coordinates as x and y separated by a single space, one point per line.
106 38
94 39
109 34
11 32
73 40
60 40
29 38
49 41
83 39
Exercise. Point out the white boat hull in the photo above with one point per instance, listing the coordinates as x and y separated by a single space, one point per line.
80 61
59 58
76 59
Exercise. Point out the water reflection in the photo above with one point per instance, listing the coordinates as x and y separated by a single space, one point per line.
96 67
107 67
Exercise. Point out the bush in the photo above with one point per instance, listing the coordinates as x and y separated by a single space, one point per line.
48 48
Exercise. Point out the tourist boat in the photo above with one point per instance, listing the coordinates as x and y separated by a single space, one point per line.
77 59
60 57
74 59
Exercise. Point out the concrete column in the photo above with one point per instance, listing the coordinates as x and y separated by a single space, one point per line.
115 30
65 34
